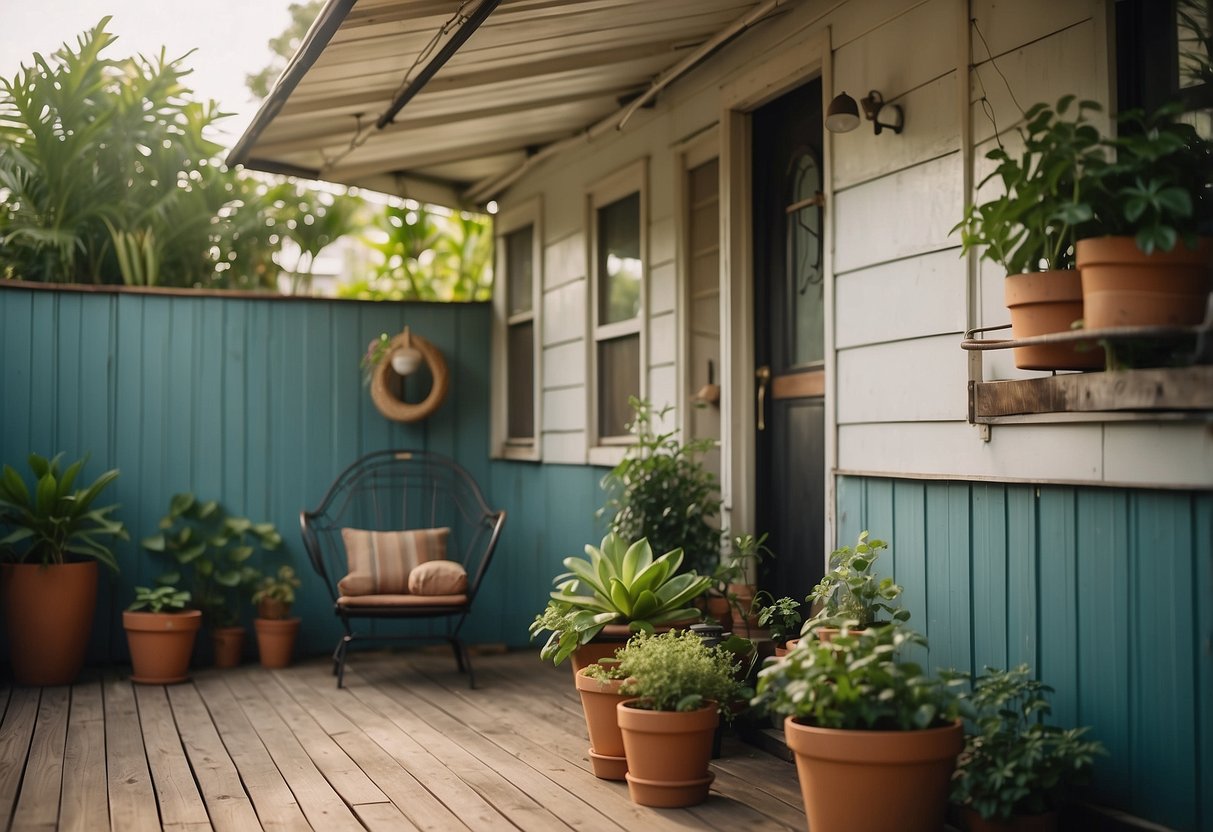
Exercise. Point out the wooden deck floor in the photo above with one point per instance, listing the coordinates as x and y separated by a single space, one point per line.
405 746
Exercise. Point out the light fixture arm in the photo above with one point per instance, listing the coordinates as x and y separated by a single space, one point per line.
874 104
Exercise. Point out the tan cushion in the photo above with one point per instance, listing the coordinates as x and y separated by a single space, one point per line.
365 601
438 577
380 562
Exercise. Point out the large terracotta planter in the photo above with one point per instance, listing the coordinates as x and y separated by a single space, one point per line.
1121 286
668 754
842 771
1045 822
276 640
161 644
229 646
49 614
598 700
1042 303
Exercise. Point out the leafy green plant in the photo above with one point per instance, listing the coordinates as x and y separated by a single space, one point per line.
606 670
616 583
676 671
1033 224
215 548
159 599
781 616
660 490
53 521
279 587
857 681
851 591
1013 763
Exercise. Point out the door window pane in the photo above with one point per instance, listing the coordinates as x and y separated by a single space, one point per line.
521 381
807 287
619 264
618 378
519 268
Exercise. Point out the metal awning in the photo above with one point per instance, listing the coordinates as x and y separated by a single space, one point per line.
491 85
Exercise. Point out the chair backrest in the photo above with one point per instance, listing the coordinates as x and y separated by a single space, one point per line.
398 491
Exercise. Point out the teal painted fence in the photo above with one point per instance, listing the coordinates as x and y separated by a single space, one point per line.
259 402
1107 593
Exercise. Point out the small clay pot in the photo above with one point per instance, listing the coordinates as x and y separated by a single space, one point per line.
229 645
598 700
668 754
161 644
276 641
273 609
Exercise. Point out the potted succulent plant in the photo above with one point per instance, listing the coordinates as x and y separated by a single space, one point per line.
1149 260
276 631
1016 771
160 631
682 686
1031 226
598 686
215 549
852 591
55 538
615 590
864 724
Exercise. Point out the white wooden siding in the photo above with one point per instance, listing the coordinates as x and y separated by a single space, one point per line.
900 285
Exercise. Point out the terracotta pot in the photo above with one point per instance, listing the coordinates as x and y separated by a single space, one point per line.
789 646
1042 303
668 754
1121 286
612 637
161 644
742 622
276 640
229 646
273 609
1045 822
720 609
598 700
841 770
49 614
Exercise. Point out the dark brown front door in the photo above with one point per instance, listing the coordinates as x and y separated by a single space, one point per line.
789 338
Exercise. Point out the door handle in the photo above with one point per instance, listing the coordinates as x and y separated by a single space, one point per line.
763 374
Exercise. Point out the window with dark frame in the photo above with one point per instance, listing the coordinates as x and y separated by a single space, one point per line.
520 335
619 272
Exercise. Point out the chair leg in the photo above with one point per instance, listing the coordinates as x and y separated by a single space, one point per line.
337 655
464 658
341 650
457 649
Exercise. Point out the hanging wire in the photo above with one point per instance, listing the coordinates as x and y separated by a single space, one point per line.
362 132
986 105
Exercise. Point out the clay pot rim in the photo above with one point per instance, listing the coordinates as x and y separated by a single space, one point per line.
858 744
585 683
1091 251
144 620
270 624
649 721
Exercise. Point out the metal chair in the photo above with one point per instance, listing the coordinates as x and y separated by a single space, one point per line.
396 491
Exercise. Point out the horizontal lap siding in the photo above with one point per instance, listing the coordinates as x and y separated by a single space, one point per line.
1106 593
259 403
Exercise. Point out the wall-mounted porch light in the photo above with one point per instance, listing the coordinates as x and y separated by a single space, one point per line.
842 115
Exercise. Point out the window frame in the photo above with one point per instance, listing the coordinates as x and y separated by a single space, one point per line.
508 221
632 179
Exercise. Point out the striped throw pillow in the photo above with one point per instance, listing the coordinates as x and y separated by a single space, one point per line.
380 562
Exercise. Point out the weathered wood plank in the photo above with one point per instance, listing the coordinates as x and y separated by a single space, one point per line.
228 806
276 806
38 805
84 805
15 735
343 774
180 803
424 810
321 805
1180 388
131 797
383 817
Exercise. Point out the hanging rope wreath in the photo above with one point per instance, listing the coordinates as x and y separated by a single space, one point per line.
388 403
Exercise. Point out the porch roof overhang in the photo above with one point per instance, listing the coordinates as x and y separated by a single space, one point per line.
490 87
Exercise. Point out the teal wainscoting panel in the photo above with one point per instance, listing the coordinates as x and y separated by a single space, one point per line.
259 402
1106 593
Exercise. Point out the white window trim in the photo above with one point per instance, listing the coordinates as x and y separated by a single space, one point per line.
508 221
609 450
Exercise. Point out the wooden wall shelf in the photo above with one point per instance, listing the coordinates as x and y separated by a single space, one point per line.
1183 389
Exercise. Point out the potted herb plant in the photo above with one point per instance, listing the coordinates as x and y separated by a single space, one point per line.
781 617
276 630
215 549
1030 229
681 687
55 538
615 590
1150 259
852 591
1016 771
662 492
160 631
731 600
598 686
864 724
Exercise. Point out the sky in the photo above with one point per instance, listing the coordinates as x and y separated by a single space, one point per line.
230 37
